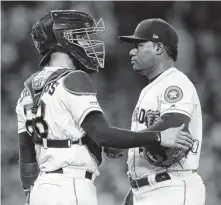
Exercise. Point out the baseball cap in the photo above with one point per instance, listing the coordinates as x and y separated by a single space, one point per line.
155 30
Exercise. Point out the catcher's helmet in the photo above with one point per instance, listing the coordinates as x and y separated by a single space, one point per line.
72 32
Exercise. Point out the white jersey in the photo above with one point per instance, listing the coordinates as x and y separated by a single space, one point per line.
59 117
171 92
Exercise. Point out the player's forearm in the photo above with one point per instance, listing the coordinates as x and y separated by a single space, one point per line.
28 174
170 120
26 148
27 161
98 129
124 139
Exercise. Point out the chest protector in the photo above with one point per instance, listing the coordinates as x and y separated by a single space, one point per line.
36 88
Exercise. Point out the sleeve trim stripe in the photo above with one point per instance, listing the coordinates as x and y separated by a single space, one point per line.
21 130
79 93
176 111
87 111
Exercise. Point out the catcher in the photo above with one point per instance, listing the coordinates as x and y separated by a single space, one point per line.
158 175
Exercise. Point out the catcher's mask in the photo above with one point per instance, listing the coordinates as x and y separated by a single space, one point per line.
73 32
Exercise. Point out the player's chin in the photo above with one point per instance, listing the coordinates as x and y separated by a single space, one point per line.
136 68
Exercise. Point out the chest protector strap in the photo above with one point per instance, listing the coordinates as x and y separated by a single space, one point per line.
36 93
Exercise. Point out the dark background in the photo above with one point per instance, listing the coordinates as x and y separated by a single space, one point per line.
199 28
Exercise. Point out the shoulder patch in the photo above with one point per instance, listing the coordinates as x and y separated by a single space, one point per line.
79 83
173 94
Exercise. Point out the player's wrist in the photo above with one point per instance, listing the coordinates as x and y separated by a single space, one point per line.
27 191
27 195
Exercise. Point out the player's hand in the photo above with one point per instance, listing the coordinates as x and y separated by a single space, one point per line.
27 196
176 137
113 153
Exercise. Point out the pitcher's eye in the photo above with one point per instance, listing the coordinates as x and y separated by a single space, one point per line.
135 45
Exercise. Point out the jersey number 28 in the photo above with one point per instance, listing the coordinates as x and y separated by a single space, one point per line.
39 125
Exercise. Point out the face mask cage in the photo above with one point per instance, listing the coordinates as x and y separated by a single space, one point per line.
87 39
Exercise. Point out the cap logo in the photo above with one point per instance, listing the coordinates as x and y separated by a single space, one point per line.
155 36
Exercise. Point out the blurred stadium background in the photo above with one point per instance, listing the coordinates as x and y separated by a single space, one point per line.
199 27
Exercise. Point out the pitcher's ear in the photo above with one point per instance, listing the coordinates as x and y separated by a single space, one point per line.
160 48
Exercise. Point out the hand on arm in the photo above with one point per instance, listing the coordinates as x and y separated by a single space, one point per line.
176 137
173 129
97 128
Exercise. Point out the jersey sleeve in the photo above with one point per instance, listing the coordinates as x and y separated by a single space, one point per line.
20 118
177 97
81 95
81 105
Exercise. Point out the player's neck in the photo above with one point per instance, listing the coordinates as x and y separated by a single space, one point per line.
59 59
163 66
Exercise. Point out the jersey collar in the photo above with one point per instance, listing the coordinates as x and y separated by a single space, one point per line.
162 75
152 79
52 68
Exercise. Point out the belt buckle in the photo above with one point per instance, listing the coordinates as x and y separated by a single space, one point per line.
69 143
80 142
164 176
44 143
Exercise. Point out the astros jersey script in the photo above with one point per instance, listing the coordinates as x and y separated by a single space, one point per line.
59 117
171 92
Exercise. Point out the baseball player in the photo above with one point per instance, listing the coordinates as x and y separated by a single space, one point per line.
170 99
61 126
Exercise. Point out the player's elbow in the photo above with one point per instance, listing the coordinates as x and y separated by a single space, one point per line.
101 136
105 143
101 143
100 140
97 128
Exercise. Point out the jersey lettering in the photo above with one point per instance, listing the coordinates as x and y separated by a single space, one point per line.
50 88
148 117
195 146
28 115
141 116
38 124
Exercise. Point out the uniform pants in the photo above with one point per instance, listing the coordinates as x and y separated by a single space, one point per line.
62 189
183 189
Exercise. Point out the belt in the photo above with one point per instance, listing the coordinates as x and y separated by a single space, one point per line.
144 181
47 143
88 175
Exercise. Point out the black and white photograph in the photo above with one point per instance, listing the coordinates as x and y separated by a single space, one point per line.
110 102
